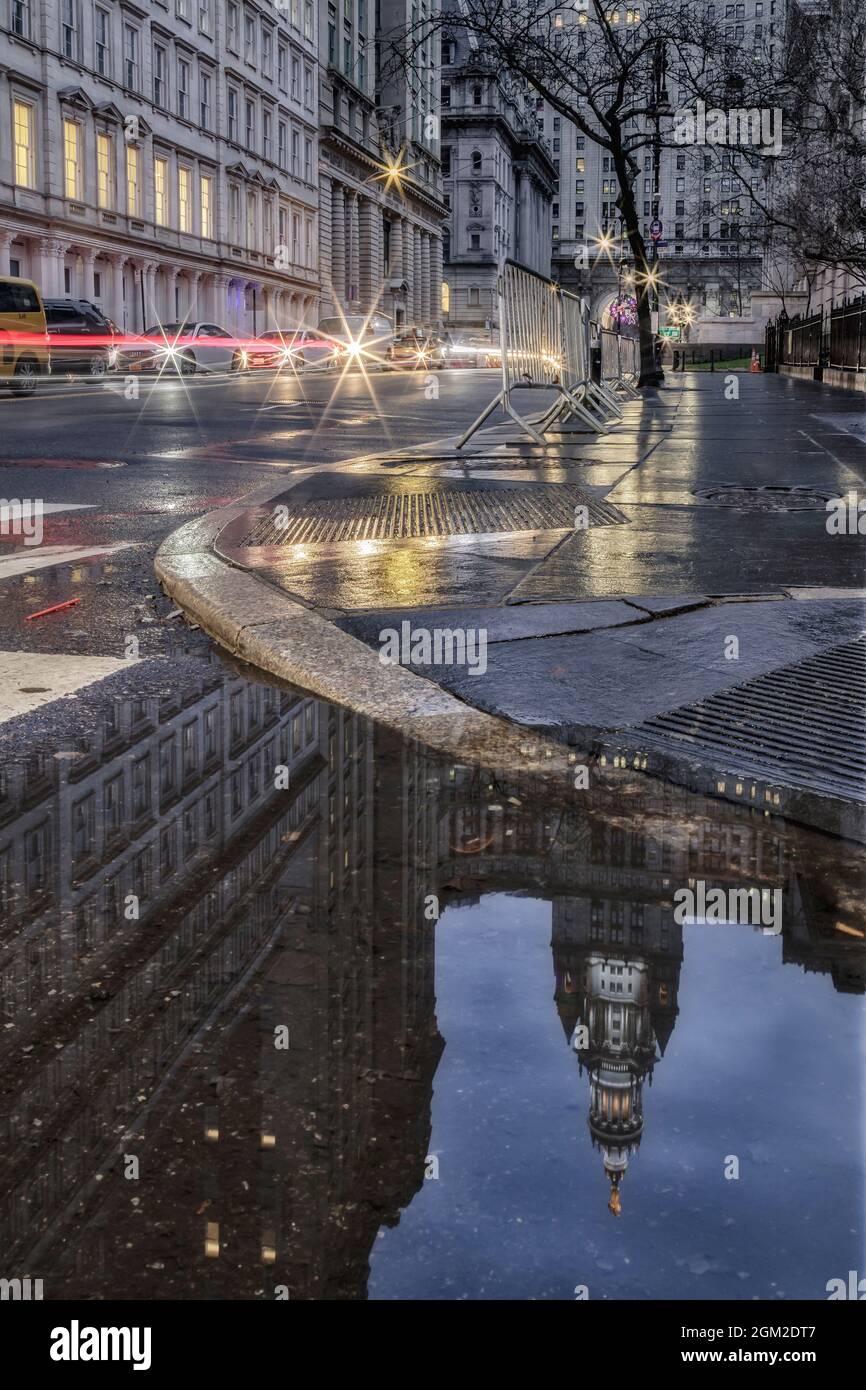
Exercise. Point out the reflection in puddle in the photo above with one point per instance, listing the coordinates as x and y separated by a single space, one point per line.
218 1022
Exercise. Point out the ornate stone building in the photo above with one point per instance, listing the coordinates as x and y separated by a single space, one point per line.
498 179
161 157
381 240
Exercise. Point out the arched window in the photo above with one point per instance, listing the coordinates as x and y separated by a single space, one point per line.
446 297
476 161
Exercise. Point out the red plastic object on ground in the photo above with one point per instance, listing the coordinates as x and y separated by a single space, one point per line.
68 603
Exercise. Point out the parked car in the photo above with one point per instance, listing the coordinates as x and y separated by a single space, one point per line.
81 338
291 347
24 355
418 349
356 336
472 350
187 347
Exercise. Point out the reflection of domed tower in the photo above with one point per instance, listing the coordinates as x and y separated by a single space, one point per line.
618 1053
615 1003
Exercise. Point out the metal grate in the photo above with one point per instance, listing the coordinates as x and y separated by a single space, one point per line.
772 498
802 725
401 515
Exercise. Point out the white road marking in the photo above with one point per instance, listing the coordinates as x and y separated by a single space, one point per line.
28 681
41 557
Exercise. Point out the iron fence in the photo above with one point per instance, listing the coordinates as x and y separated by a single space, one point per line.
834 339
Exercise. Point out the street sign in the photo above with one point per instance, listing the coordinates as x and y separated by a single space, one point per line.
670 332
656 229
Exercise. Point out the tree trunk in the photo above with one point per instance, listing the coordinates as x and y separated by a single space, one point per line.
649 373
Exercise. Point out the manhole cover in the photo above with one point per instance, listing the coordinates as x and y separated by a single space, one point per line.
767 499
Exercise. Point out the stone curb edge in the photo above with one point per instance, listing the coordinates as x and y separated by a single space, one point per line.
262 626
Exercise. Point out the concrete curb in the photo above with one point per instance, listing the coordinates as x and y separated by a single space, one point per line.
264 627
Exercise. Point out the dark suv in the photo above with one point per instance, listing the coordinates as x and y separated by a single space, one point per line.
80 337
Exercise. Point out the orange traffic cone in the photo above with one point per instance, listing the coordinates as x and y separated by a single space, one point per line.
755 364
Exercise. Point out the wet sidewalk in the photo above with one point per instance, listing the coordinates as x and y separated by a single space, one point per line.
678 568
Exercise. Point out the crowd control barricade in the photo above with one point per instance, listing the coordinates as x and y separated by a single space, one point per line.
530 341
617 363
578 397
629 363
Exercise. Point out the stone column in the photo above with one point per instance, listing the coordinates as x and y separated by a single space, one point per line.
395 263
353 240
151 309
194 281
170 276
5 245
326 232
423 273
370 254
135 323
88 258
338 246
50 277
218 307
112 302
409 269
435 280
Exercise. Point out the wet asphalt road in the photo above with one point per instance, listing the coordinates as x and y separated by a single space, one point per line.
127 472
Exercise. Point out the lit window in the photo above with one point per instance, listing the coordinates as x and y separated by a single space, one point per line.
212 1240
133 197
105 170
160 192
71 159
25 165
184 200
206 206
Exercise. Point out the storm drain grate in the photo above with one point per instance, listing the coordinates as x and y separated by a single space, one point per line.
770 498
803 725
403 515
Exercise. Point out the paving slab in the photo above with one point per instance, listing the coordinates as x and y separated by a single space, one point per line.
623 675
708 550
508 624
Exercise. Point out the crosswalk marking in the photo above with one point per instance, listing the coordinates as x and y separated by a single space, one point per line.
44 556
28 680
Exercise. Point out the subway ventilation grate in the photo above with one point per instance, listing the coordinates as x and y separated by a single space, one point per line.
801 726
770 498
407 515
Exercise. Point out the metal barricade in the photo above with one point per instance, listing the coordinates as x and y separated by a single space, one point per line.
530 339
616 373
579 397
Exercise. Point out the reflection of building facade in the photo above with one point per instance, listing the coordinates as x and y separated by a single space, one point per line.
274 912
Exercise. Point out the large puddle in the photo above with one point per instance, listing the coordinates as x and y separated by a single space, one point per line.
291 1009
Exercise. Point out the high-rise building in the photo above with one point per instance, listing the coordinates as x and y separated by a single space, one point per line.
161 159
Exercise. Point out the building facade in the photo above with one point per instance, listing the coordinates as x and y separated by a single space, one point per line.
162 157
711 244
379 182
498 178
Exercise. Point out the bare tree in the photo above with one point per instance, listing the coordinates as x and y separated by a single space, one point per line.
606 70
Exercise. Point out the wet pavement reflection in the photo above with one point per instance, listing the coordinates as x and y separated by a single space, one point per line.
292 1009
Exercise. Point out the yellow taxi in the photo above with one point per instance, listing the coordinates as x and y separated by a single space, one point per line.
23 336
